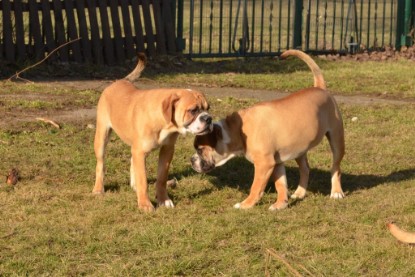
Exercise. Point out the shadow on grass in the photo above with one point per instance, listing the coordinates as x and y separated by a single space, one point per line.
239 173
163 65
112 187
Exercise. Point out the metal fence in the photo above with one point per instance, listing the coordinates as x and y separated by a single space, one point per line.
227 28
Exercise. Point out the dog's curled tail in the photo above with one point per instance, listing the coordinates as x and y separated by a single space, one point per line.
318 76
135 74
401 235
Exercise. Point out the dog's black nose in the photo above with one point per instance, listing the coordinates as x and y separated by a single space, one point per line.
206 118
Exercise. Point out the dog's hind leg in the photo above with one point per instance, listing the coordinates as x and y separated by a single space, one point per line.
101 140
336 140
304 168
280 179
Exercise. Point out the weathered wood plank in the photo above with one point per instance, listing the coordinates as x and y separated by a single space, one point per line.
97 48
169 31
148 28
106 34
128 34
83 31
73 31
8 31
60 31
20 33
138 27
161 42
116 27
47 28
35 33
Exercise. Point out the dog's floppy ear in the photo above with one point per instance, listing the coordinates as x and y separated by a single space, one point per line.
168 107
217 130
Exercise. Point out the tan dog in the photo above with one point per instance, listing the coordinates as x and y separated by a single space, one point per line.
270 133
145 120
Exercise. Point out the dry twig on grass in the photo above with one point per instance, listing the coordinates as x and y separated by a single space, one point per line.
36 64
274 254
8 235
53 123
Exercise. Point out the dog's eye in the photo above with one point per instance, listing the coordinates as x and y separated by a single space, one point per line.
199 151
194 111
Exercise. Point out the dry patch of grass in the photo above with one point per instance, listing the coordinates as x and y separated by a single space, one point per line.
50 223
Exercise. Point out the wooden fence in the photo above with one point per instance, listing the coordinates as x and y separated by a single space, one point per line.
95 31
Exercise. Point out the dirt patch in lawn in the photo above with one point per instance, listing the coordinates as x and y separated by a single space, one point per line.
86 115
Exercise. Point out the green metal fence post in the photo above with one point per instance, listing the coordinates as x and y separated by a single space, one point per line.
180 41
298 24
405 38
402 28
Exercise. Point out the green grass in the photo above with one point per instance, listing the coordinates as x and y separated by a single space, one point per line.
51 224
347 77
393 79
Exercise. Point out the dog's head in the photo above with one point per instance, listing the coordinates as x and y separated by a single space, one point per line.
187 109
211 150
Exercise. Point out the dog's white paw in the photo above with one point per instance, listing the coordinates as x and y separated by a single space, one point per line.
337 195
272 208
237 206
278 206
297 196
167 203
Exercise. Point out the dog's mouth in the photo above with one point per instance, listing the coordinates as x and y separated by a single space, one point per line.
200 165
199 125
207 130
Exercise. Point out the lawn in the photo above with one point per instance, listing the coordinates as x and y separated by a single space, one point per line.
51 224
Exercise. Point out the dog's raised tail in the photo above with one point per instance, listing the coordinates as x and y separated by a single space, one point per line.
318 76
136 73
401 235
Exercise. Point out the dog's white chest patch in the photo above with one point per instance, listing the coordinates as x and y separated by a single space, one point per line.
222 162
164 134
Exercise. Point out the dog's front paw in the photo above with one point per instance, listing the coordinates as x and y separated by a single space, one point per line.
146 207
337 195
278 206
243 205
299 193
98 192
167 203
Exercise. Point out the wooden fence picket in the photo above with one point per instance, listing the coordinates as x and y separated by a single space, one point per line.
7 29
48 28
97 47
20 31
34 31
83 31
148 27
138 28
128 34
60 31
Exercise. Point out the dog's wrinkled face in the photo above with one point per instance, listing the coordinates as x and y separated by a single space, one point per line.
211 151
189 112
